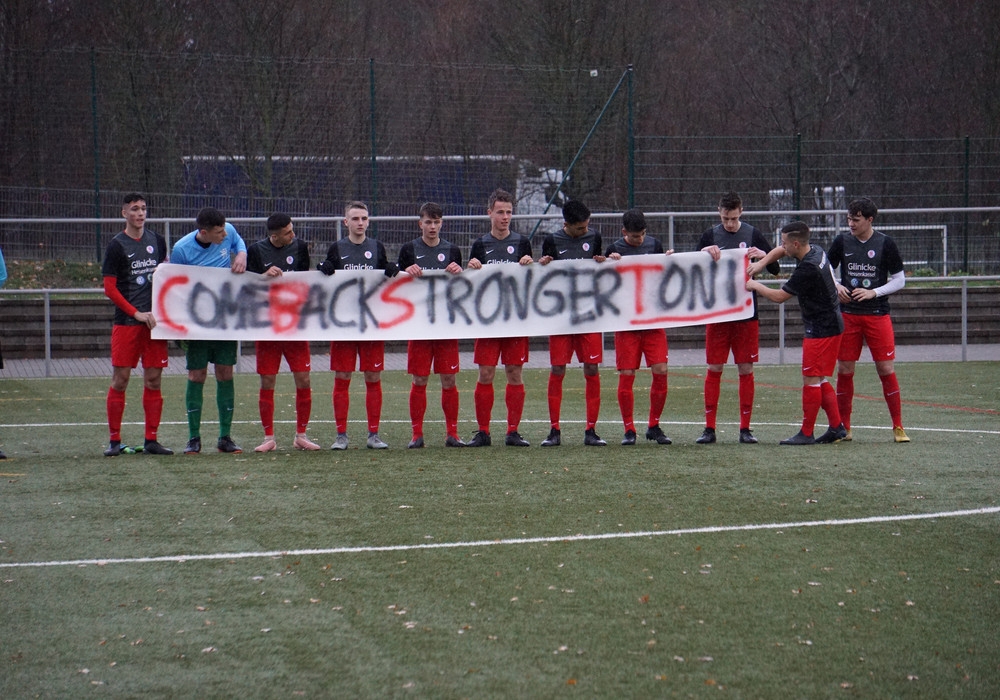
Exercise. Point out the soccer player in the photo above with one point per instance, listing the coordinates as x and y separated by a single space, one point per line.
273 256
356 251
871 269
431 252
742 338
575 242
215 243
500 246
812 282
632 346
129 262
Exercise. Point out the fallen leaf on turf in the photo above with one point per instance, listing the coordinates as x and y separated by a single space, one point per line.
209 650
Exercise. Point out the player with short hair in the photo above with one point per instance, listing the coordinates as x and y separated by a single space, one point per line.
499 247
574 242
812 282
431 252
632 346
129 262
871 269
742 338
356 251
273 256
215 243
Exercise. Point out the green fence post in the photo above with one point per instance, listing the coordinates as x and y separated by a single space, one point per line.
97 152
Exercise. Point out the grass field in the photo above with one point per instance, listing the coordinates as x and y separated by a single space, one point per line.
864 569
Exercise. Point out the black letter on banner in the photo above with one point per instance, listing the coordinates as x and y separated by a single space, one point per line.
730 282
333 304
511 298
214 321
315 303
252 300
495 278
457 291
707 293
431 297
602 297
556 296
665 303
364 310
577 296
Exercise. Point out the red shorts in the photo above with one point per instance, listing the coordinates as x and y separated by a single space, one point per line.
345 353
492 351
740 337
589 348
421 355
129 344
875 331
819 356
631 346
270 352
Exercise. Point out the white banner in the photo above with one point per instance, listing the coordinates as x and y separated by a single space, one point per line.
565 296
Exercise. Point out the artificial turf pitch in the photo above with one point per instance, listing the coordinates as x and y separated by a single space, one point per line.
674 571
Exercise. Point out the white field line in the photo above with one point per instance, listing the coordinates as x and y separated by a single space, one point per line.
182 558
531 421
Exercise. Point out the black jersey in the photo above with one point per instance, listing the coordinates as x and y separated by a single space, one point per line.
293 257
650 246
866 265
132 262
491 251
438 257
812 282
746 237
367 255
562 246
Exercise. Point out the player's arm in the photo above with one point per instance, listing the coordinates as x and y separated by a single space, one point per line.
525 251
598 256
391 269
772 258
760 248
455 265
778 296
332 262
549 250
238 250
476 255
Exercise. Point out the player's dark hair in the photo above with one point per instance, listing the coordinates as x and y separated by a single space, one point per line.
431 210
133 197
210 217
278 221
355 204
575 212
730 200
863 207
634 221
797 231
499 195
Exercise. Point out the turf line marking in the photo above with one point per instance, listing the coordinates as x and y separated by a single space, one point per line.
182 558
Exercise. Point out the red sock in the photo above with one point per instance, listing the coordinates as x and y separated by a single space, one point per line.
418 407
152 407
746 400
116 409
449 405
829 402
592 393
657 398
555 398
265 402
812 397
890 390
713 386
626 400
483 397
515 405
845 397
373 404
303 408
341 403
